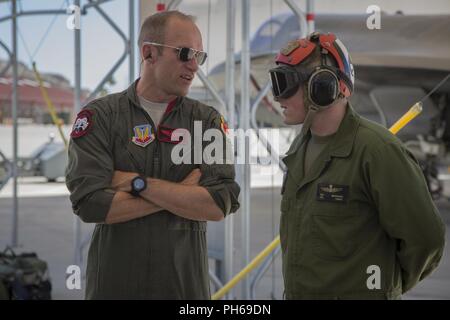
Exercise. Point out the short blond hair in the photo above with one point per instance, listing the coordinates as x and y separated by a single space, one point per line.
154 27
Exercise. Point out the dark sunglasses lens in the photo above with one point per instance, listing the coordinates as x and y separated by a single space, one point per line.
184 54
201 58
187 54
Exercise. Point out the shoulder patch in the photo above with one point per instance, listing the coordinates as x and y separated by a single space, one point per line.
290 46
83 124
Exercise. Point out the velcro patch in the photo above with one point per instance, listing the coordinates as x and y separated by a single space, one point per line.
165 134
143 135
290 46
83 124
332 192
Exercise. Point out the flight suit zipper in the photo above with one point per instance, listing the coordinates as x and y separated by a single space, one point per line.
134 161
156 151
156 169
156 163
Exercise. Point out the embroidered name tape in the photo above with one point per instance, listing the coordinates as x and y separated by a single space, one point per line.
332 192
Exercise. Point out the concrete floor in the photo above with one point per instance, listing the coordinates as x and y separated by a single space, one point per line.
46 224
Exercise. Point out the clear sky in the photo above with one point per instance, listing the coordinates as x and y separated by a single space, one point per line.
102 47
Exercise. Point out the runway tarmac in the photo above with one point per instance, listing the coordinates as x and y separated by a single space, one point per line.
46 226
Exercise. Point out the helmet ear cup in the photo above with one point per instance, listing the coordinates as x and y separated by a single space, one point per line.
323 87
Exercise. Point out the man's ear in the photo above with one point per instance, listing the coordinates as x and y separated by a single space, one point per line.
146 53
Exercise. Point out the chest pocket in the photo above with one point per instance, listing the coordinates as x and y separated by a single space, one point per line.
336 229
129 156
183 165
177 157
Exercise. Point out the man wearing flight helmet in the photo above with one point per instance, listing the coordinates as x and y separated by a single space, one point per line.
357 220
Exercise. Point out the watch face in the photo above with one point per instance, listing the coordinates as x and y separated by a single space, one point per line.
138 184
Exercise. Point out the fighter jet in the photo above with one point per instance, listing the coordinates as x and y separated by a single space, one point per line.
395 66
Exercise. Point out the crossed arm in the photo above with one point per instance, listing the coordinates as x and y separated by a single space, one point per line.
186 199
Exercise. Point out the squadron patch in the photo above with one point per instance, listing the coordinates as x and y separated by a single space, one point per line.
82 124
143 135
332 192
290 46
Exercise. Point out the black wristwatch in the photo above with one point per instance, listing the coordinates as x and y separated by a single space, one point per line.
138 185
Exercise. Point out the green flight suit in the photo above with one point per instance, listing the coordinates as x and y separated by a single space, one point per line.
162 255
364 203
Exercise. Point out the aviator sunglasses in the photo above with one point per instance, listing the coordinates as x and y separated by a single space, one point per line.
185 54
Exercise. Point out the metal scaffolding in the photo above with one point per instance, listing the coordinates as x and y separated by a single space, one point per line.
15 216
230 94
128 52
246 119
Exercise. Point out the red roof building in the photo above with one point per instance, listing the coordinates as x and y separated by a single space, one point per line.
31 104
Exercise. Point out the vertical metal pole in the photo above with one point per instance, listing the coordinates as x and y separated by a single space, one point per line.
310 15
245 125
230 62
173 5
300 15
77 55
77 108
230 95
15 217
131 41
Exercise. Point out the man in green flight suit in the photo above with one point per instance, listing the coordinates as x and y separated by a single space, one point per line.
357 219
150 211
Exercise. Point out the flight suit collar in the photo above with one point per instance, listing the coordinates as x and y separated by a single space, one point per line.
340 146
132 94
133 97
342 143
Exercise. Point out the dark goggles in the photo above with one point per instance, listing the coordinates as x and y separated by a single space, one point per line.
185 54
286 81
